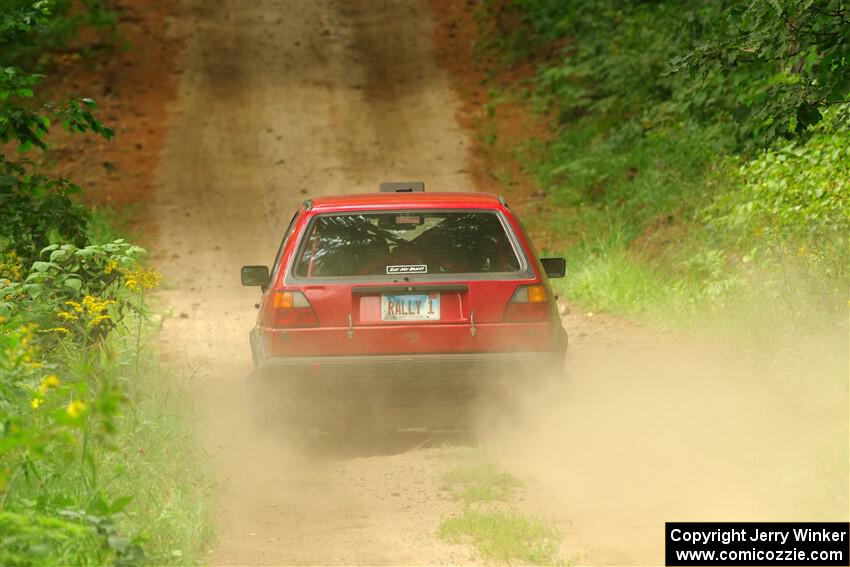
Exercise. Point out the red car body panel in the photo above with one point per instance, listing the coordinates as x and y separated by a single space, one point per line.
347 310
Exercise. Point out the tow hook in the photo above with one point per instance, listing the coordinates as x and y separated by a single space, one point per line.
472 329
350 327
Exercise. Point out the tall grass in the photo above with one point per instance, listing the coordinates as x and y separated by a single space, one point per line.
99 464
687 231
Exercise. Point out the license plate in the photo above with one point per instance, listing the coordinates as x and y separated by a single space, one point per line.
410 307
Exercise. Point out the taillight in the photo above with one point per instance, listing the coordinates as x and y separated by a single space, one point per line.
289 309
529 303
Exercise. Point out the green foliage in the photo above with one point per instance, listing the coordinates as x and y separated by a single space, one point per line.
87 424
612 280
615 188
32 540
699 150
755 70
694 234
161 465
38 209
82 287
51 438
796 197
503 536
29 28
498 534
75 293
480 482
791 59
96 465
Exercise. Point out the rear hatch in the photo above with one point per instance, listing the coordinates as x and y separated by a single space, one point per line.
411 281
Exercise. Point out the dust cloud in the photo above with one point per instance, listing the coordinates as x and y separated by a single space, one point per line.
288 492
657 428
646 427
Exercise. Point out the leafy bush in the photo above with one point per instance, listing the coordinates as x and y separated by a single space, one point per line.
85 426
38 209
795 199
29 29
75 287
761 70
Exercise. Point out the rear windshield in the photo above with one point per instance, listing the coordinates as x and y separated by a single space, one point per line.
401 243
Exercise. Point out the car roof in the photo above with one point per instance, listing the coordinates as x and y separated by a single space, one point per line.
366 201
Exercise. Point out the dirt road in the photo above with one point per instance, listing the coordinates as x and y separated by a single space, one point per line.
281 100
277 101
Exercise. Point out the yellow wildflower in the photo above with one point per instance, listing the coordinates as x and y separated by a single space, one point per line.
110 267
97 320
91 311
62 330
140 278
76 408
152 279
49 381
77 307
35 403
95 305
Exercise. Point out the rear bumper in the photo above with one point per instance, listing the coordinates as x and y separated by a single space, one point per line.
483 366
405 380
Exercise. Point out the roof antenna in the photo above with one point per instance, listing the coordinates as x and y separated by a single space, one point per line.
402 186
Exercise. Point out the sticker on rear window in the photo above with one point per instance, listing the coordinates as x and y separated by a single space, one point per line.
414 269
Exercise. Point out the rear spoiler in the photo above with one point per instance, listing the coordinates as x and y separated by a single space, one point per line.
402 186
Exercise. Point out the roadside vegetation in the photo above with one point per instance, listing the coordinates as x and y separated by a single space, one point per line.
699 153
479 482
506 537
97 461
488 522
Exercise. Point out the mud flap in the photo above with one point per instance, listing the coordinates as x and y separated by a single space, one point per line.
257 352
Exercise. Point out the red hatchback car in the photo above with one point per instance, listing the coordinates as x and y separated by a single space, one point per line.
399 296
